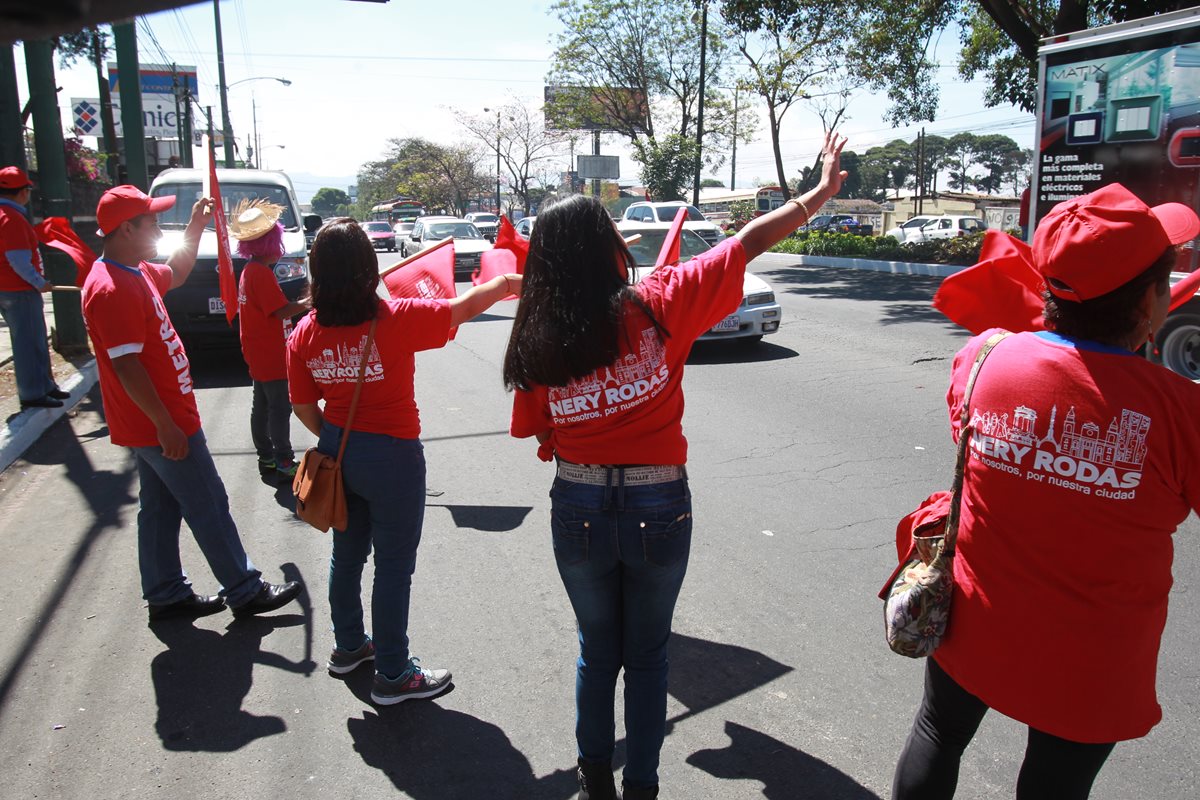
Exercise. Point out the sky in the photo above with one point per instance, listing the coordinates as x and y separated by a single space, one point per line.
364 72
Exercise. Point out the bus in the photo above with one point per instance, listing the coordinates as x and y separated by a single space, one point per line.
715 204
404 210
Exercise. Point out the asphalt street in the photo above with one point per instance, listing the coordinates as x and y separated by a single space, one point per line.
804 451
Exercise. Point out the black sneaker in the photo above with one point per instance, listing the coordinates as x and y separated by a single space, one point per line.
42 402
270 597
192 607
344 661
266 467
415 683
57 394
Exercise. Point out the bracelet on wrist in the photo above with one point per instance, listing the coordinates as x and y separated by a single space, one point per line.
797 201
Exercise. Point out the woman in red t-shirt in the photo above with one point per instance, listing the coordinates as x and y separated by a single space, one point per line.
597 364
1084 459
384 465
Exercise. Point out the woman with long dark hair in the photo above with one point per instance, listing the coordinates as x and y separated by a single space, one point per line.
597 365
384 463
1084 460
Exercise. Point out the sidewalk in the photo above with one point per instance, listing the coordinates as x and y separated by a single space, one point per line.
20 428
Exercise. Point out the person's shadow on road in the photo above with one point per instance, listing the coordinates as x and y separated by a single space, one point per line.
202 678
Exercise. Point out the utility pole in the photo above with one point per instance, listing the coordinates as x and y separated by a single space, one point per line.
733 157
12 132
185 156
178 116
108 125
129 81
226 128
596 152
700 114
52 180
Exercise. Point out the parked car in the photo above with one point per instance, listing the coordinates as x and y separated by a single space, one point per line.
758 313
488 224
949 226
836 223
468 241
904 230
524 226
381 235
647 212
1178 341
195 307
401 230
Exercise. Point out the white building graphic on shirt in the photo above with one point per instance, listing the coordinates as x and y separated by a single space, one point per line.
341 363
1122 445
651 353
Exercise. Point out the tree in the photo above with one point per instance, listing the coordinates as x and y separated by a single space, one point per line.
960 155
667 165
442 177
711 183
524 145
330 202
890 42
633 67
996 154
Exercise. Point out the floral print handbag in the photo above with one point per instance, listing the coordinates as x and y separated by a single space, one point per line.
916 598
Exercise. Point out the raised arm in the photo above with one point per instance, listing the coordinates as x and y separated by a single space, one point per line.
184 258
482 297
762 233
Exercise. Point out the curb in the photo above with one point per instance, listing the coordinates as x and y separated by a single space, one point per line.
894 267
27 427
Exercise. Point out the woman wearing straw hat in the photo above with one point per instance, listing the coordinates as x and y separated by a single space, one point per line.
1084 460
266 320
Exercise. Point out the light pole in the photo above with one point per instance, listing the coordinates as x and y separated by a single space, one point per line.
253 110
268 147
488 110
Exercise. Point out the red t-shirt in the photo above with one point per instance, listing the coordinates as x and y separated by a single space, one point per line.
16 234
631 411
1084 461
263 336
124 313
323 364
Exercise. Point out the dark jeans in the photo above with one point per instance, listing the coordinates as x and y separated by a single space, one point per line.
1054 768
271 421
622 553
385 507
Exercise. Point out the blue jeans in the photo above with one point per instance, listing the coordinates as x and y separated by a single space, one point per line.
271 421
191 490
622 552
385 508
24 313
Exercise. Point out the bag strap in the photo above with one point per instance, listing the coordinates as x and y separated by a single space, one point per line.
964 433
362 371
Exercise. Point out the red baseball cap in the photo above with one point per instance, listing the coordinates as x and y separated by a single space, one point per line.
123 203
1091 245
14 178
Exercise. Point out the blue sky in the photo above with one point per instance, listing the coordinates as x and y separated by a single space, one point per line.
365 72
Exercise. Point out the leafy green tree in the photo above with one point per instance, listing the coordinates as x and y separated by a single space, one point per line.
960 155
442 177
711 183
890 43
996 154
667 165
327 201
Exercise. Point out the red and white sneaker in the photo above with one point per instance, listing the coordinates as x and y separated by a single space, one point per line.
415 683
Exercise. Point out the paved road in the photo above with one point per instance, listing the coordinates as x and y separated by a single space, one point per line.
804 451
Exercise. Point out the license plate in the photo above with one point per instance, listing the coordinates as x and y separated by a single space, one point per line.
216 305
730 323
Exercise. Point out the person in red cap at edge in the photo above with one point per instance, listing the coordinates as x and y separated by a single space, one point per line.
265 321
146 384
21 285
1084 459
597 364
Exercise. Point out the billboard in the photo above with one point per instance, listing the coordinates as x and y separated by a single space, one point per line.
606 167
1121 108
158 84
595 108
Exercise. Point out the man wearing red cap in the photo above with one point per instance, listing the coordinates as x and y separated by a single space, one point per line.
21 287
146 383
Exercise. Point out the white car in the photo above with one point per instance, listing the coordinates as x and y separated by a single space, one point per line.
651 213
1178 341
757 315
468 241
904 230
400 231
488 224
948 227
524 226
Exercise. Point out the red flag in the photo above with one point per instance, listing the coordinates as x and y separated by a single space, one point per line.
1002 291
1185 290
669 254
509 239
493 263
56 232
229 289
429 274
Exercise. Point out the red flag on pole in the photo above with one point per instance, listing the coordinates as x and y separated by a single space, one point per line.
429 274
507 257
509 239
1003 290
1185 290
56 232
669 254
229 289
